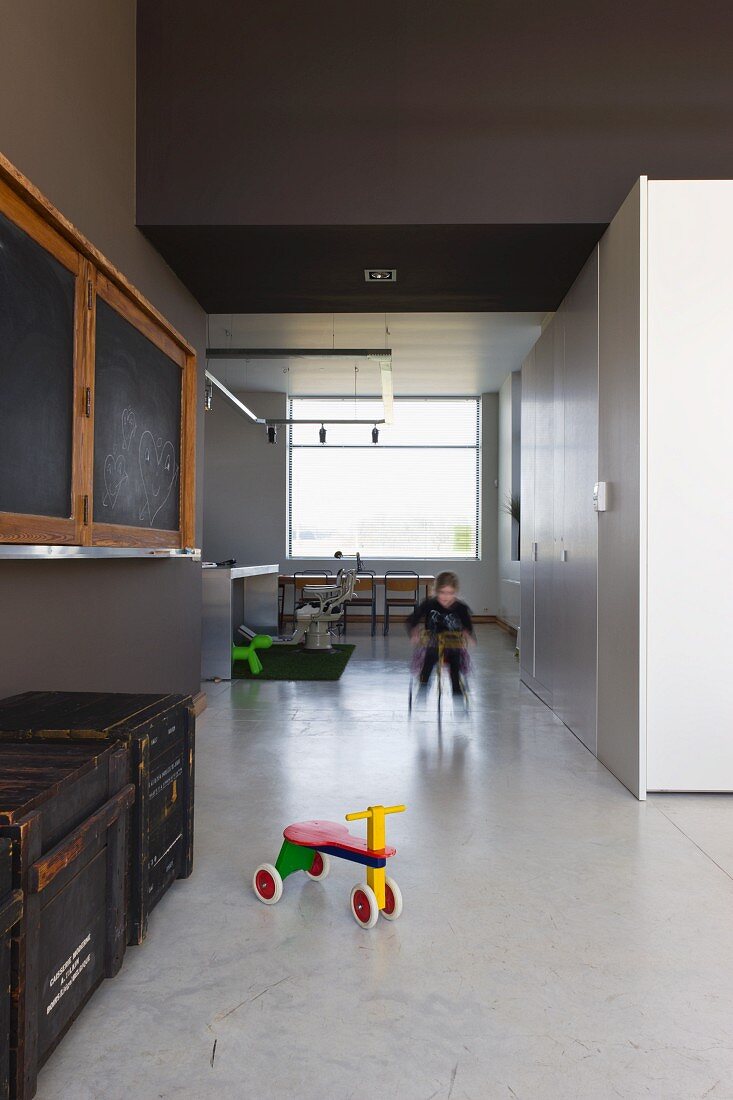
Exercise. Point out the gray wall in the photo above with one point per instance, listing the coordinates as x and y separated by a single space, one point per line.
246 499
67 120
244 483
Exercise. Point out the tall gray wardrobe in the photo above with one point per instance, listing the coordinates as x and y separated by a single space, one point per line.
559 530
626 613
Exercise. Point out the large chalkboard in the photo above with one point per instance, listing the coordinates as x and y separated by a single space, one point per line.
36 377
137 427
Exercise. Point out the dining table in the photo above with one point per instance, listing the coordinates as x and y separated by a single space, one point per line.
425 580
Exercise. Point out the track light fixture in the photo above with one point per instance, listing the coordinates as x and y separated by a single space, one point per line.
271 433
322 434
375 434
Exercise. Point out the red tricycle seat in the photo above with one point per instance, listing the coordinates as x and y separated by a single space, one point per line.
333 837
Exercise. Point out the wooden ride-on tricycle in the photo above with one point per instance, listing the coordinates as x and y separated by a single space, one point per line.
309 844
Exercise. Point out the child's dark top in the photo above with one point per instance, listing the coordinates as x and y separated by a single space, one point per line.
439 619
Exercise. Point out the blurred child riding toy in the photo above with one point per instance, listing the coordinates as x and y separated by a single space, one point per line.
446 631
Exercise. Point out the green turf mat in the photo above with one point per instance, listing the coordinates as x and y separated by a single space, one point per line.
296 663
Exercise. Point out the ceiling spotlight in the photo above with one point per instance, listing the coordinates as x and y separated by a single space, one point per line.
322 434
271 433
380 274
375 434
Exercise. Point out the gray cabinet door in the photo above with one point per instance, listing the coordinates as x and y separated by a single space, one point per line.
559 526
560 655
576 562
544 534
526 550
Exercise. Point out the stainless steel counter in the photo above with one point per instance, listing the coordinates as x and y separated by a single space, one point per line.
231 596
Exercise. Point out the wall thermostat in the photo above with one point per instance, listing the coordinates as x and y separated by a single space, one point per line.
599 496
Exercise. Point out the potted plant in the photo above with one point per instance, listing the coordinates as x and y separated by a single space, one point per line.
511 506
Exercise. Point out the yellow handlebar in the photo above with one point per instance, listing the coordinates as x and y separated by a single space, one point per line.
370 812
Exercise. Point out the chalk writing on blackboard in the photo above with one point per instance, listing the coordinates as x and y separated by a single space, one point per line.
159 471
129 424
115 476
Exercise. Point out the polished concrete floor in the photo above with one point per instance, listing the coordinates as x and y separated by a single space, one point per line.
559 938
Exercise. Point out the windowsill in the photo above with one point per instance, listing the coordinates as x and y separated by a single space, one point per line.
368 558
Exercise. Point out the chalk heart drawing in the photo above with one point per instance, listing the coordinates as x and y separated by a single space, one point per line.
129 424
115 475
158 471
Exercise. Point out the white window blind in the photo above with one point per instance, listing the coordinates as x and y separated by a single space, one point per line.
415 494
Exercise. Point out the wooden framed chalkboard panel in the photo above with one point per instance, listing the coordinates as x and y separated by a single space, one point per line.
98 409
144 408
43 281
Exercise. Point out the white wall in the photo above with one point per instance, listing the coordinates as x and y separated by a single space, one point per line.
245 499
508 594
690 457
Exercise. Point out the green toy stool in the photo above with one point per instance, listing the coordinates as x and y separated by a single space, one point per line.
248 653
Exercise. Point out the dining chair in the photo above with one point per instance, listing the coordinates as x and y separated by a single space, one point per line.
280 605
401 589
365 595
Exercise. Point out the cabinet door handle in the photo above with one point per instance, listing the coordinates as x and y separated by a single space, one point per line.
534 551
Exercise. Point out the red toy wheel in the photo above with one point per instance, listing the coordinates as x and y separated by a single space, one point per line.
392 900
267 883
364 906
320 866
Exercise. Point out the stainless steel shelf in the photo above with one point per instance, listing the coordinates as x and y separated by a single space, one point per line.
43 553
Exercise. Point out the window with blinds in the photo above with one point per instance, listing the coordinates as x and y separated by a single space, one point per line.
414 494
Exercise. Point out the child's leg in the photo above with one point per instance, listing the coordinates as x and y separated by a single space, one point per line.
453 657
429 662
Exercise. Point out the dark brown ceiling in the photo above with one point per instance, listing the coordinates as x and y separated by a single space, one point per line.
235 269
479 144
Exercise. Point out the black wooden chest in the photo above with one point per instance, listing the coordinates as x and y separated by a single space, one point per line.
11 909
64 805
160 730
